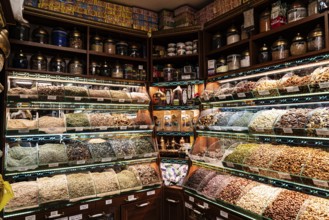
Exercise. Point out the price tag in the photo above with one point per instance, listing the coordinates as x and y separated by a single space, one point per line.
23 131
24 96
229 164
76 217
241 95
53 213
221 97
103 128
121 100
223 214
259 129
51 97
22 168
254 169
78 129
322 132
191 199
106 159
205 205
284 176
30 217
140 100
287 130
108 202
320 183
264 92
188 205
140 67
79 162
201 127
149 193
143 126
128 157
100 99
292 89
64 218
53 165
131 198
218 218
77 98
123 128
324 85
148 155
83 207
216 128
186 77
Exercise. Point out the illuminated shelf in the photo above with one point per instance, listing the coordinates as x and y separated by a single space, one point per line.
181 107
174 133
177 83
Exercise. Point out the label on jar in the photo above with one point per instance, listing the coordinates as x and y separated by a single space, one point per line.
324 85
23 131
322 132
292 89
232 39
211 64
84 207
128 157
229 164
320 183
254 169
205 205
103 128
284 176
131 198
100 99
221 97
264 92
287 130
51 97
140 67
24 96
53 165
121 100
53 213
76 217
223 214
79 162
30 217
108 159
22 169
241 95
185 77
78 129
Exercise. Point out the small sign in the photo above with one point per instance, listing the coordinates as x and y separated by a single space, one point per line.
322 132
223 214
254 169
108 202
143 126
24 97
229 164
188 205
191 199
149 193
123 127
100 99
76 217
53 213
184 77
53 165
84 207
241 95
292 89
103 128
77 98
121 100
205 205
284 176
30 217
128 157
320 183
264 92
287 130
79 162
324 85
131 198
106 159
51 97
221 97
78 129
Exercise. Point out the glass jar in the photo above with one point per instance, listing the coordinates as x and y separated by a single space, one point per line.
75 39
20 31
134 50
244 33
75 66
38 62
280 49
265 21
94 68
105 69
296 12
221 65
109 46
245 59
312 7
233 61
264 54
57 64
40 35
20 60
298 45
128 71
315 39
232 35
96 44
217 41
141 73
169 73
59 37
117 71
122 48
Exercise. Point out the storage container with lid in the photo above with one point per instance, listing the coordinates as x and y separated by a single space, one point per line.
40 35
245 59
117 71
134 50
232 35
57 64
128 71
38 62
20 61
297 11
105 69
76 39
122 48
280 49
109 46
96 43
315 39
221 65
20 31
75 66
264 54
265 21
94 68
59 37
298 45
233 61
169 73
217 41
312 7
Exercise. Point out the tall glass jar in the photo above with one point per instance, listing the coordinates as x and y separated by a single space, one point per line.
94 68
105 69
264 54
40 35
109 46
296 12
315 39
134 50
217 41
312 7
20 60
245 59
265 21
232 35
75 39
298 45
96 43
76 66
280 49
20 31
57 64
122 48
117 71
38 62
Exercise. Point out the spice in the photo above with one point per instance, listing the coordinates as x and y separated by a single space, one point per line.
77 150
147 174
21 124
241 152
21 157
240 119
173 173
77 120
263 121
51 125
317 165
314 208
122 147
52 153
294 118
197 176
216 185
52 189
142 145
100 148
128 181
81 186
50 90
99 93
101 119
222 118
122 120
235 189
106 183
22 91
75 91
115 94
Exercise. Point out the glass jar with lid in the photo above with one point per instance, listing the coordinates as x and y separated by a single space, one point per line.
134 50
245 59
20 60
75 66
296 12
57 64
122 48
264 54
233 61
38 62
312 7
40 35
280 49
96 43
105 69
265 21
76 39
232 35
20 31
298 45
117 71
221 65
109 46
59 37
315 39
94 68
217 41
169 73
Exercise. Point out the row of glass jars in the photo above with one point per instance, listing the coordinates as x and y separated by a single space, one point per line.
233 35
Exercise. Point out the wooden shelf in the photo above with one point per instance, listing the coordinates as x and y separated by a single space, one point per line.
119 57
176 31
176 58
225 48
43 72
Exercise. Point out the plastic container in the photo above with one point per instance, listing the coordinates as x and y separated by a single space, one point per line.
266 87
215 151
233 61
52 124
263 121
120 96
76 93
81 186
52 154
21 156
225 92
147 173
316 129
221 121
207 118
169 73
50 92
319 81
240 120
77 122
243 90
294 84
101 150
22 92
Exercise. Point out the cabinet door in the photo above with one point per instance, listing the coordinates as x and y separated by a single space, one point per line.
148 209
173 205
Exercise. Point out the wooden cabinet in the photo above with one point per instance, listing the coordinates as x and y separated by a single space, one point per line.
147 209
173 204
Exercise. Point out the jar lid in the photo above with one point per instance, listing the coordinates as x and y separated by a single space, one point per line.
265 13
21 54
123 43
263 48
317 32
57 58
97 38
134 46
75 60
40 30
280 42
75 33
245 53
59 29
222 60
298 37
169 65
217 35
39 56
233 55
109 40
232 30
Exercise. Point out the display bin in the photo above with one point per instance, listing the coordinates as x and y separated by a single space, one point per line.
148 174
120 96
99 95
221 120
123 147
102 121
313 127
266 87
225 92
77 122
239 121
22 90
263 121
78 152
208 96
291 83
76 93
144 146
173 173
243 90
50 92
21 122
106 183
214 152
140 98
143 120
101 150
52 154
194 179
128 181
207 118
52 122
319 80
199 149
81 186
21 156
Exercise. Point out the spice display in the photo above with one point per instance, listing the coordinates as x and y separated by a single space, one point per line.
75 91
77 120
123 147
243 87
18 157
22 124
208 119
318 122
286 206
280 49
222 118
255 201
266 87
52 189
101 119
50 90
241 152
100 149
22 91
123 120
197 176
315 39
205 181
81 186
294 80
173 174
52 153
240 119
142 145
317 166
298 46
77 150
52 125
106 183
140 97
263 121
235 189
216 185
294 118
265 21
116 94
147 174
25 196
128 181
314 208
99 93
291 160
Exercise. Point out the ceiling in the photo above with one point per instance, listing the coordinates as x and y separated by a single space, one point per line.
157 5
